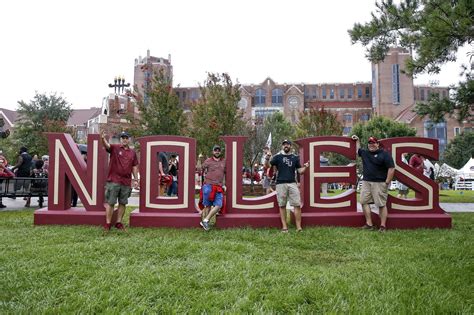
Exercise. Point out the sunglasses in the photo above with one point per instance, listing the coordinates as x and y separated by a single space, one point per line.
372 142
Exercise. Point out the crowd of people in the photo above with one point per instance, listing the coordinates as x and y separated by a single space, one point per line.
27 166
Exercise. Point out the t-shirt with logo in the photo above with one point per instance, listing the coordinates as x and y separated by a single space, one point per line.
286 165
375 164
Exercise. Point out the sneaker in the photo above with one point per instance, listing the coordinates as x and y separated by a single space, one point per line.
107 227
382 229
368 227
205 225
119 226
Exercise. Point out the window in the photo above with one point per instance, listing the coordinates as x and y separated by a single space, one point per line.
364 117
277 97
349 92
367 91
324 93
457 131
445 94
259 97
341 92
395 84
346 131
314 92
422 95
194 95
359 92
347 118
263 113
331 93
436 131
184 95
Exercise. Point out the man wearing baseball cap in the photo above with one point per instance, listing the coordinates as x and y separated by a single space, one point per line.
287 164
123 163
213 188
378 171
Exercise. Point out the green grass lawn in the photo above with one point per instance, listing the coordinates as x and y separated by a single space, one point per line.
449 196
66 269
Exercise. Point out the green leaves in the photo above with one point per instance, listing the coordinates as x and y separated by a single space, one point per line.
160 111
44 113
216 114
460 150
433 31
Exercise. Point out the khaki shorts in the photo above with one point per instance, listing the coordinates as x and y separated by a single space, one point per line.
114 191
374 192
288 192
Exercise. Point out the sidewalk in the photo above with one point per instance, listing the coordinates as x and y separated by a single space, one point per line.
19 203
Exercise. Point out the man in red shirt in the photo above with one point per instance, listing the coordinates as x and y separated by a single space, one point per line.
123 162
416 161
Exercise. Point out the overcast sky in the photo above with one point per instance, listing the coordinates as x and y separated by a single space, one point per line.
77 47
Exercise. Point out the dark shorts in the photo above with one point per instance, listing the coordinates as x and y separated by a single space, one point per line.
114 192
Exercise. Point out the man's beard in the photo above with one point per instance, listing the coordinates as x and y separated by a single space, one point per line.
286 149
217 155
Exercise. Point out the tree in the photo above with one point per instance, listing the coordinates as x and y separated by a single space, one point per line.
381 127
44 113
433 30
258 131
460 150
280 128
160 112
317 122
216 114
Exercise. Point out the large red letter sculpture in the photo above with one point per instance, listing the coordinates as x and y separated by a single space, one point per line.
158 210
340 210
67 168
424 209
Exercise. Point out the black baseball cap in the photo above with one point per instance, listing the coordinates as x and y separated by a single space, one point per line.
124 134
286 141
216 147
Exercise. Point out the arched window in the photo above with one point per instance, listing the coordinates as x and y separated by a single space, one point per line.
259 98
277 97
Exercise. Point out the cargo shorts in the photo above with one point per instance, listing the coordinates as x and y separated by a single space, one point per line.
114 192
374 192
288 192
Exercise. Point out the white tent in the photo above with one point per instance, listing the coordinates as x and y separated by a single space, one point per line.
445 171
467 171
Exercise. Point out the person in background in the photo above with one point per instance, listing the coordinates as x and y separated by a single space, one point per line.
45 159
173 171
402 188
267 170
163 168
416 162
323 161
22 168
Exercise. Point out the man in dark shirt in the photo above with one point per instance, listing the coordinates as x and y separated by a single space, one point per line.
286 164
163 168
123 162
378 171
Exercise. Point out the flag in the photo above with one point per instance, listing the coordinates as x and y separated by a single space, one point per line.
269 141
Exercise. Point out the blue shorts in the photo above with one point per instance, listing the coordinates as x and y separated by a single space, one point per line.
206 190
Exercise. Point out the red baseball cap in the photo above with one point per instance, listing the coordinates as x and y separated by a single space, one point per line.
373 139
